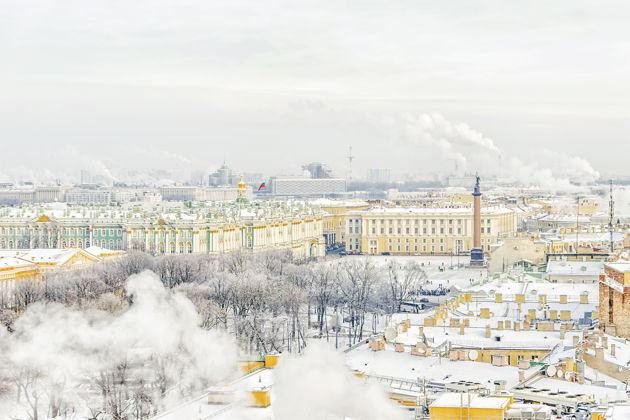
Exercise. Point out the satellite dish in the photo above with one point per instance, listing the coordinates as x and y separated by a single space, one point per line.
559 373
567 375
472 355
390 333
550 371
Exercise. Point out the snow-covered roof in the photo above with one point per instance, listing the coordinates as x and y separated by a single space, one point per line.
621 266
463 211
54 256
575 268
13 262
326 202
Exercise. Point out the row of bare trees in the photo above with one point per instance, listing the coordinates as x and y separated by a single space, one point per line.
268 301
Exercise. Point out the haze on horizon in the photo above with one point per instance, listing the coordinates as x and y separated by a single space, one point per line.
412 85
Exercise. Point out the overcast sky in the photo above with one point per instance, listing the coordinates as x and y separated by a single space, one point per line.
270 85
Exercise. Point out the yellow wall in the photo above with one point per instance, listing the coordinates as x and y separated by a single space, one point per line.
260 398
271 360
456 413
247 367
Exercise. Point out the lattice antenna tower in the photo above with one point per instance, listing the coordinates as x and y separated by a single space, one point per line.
611 217
350 158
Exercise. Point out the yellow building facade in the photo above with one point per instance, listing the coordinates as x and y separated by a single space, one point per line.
16 266
333 221
451 406
424 231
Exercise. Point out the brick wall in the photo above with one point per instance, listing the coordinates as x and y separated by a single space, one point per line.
620 303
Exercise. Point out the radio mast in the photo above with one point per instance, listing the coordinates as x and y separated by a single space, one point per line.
611 217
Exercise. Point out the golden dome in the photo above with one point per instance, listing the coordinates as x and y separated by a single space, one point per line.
242 185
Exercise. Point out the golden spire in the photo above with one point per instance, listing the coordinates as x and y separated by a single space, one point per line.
242 191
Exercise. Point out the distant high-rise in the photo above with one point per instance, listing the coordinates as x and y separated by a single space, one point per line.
317 170
379 175
223 177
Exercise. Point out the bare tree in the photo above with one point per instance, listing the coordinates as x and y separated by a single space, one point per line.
26 292
357 286
401 282
27 381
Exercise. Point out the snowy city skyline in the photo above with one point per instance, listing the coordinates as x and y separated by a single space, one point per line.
190 84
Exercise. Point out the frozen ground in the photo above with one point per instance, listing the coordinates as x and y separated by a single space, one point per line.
453 275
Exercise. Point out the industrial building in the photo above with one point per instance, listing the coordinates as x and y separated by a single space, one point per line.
306 187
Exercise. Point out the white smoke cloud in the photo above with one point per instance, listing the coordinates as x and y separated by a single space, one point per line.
74 345
94 166
319 386
473 151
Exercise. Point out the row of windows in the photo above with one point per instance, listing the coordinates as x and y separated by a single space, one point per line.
67 231
416 231
408 248
416 221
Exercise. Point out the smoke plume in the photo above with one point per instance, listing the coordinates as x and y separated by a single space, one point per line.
473 151
319 386
160 328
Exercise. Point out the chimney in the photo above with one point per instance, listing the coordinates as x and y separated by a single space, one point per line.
599 353
488 331
499 325
521 375
613 350
604 342
517 326
462 329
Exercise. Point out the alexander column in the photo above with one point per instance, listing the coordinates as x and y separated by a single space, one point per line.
476 253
